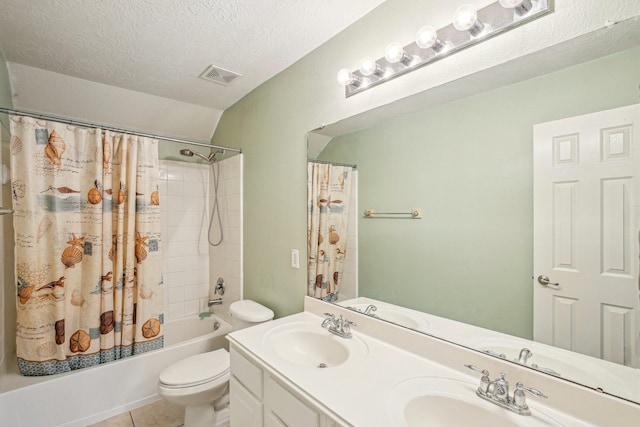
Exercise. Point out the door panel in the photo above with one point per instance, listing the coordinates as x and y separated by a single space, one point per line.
586 222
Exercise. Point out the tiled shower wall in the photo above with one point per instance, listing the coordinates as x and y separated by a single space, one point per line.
185 190
225 260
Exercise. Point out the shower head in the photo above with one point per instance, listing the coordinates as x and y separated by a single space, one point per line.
210 158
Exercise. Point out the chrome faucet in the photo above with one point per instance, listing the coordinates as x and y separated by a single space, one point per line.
369 309
497 392
524 355
498 389
217 301
340 327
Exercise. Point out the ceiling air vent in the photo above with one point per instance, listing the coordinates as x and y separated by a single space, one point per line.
218 75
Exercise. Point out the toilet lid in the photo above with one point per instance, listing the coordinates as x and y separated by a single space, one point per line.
198 369
250 311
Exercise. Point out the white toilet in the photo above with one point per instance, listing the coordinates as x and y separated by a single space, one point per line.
201 382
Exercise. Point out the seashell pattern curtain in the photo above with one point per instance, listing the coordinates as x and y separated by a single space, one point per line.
87 241
328 191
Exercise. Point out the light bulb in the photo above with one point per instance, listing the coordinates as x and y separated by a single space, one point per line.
368 67
427 37
520 7
465 18
345 78
394 52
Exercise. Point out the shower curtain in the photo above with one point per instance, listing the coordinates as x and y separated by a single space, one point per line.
87 240
328 191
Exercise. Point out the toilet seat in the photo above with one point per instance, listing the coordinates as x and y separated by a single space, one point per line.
197 370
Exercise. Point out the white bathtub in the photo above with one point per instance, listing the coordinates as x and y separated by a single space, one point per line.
90 395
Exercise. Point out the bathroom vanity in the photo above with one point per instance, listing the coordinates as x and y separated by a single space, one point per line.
293 372
263 397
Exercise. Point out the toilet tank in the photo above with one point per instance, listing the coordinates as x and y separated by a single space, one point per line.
245 313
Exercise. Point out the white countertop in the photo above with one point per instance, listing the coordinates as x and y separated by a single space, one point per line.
359 391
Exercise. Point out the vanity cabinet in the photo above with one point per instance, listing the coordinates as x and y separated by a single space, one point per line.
261 398
247 408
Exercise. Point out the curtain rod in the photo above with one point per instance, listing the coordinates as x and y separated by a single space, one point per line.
327 162
114 129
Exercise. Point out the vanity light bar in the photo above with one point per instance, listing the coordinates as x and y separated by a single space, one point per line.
469 27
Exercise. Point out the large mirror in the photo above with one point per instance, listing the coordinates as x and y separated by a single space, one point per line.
468 165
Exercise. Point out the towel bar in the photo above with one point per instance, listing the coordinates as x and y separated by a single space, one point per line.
416 213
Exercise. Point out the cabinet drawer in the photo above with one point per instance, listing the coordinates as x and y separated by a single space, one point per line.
287 408
247 373
246 409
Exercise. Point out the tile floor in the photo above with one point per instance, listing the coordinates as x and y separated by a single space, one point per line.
156 414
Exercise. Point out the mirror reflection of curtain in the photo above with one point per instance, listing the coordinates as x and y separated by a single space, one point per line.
328 191
87 237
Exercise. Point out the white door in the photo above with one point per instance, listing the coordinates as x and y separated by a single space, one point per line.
586 222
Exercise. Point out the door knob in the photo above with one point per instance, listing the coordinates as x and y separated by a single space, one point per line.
544 281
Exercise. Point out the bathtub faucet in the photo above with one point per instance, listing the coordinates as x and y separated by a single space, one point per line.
217 301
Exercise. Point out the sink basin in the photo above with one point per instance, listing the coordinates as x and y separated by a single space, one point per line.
394 316
437 401
311 346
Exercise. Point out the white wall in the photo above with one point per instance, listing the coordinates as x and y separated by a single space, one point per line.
183 191
225 260
44 91
185 203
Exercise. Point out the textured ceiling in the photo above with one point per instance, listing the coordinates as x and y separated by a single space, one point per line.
160 47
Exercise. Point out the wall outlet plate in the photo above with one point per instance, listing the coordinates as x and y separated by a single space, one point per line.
295 258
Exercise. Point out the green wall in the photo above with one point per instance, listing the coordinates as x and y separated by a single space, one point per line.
270 123
272 135
468 164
